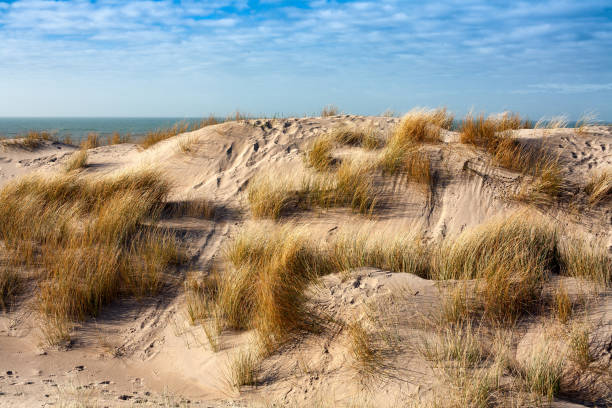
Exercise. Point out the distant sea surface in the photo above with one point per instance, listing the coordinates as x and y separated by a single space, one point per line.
78 128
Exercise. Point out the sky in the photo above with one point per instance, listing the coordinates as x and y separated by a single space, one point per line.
191 58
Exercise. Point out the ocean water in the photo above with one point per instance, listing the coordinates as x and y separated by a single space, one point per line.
78 128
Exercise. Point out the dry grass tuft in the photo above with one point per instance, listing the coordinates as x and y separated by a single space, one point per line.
355 188
269 196
265 287
556 122
410 162
156 136
117 138
512 256
585 260
362 346
459 343
9 285
562 305
78 160
586 120
319 155
89 237
93 140
28 141
195 207
421 125
542 371
243 368
400 254
329 110
599 187
352 136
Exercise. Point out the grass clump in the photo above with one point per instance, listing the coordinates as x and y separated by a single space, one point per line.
93 140
457 343
355 188
9 285
156 136
319 155
195 207
115 138
269 197
362 346
352 136
93 238
511 257
77 160
402 254
29 141
329 110
542 370
421 125
584 260
264 289
243 369
599 187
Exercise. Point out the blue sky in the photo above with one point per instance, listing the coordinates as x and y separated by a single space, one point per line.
190 58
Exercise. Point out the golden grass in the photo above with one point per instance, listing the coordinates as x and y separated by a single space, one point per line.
556 122
77 160
89 237
269 197
352 185
243 368
542 370
329 110
399 254
29 140
115 138
264 289
195 207
494 134
319 155
511 257
93 140
460 343
599 187
363 348
9 285
562 305
355 136
586 120
156 136
586 260
421 125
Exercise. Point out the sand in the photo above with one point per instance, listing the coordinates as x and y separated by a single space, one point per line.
146 352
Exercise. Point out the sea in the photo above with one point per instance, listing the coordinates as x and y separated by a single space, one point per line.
78 128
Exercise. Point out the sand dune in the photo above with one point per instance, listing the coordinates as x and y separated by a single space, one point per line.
147 351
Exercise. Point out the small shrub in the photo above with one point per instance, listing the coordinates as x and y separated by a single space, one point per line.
599 187
77 160
329 110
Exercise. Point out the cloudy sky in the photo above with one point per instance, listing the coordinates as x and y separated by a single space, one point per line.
190 58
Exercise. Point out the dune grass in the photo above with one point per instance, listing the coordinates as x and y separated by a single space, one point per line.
29 141
264 288
116 138
494 134
542 370
352 186
330 110
90 237
156 136
93 140
193 206
319 155
556 122
243 368
421 126
586 260
398 254
355 136
599 187
9 285
511 257
367 356
77 160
